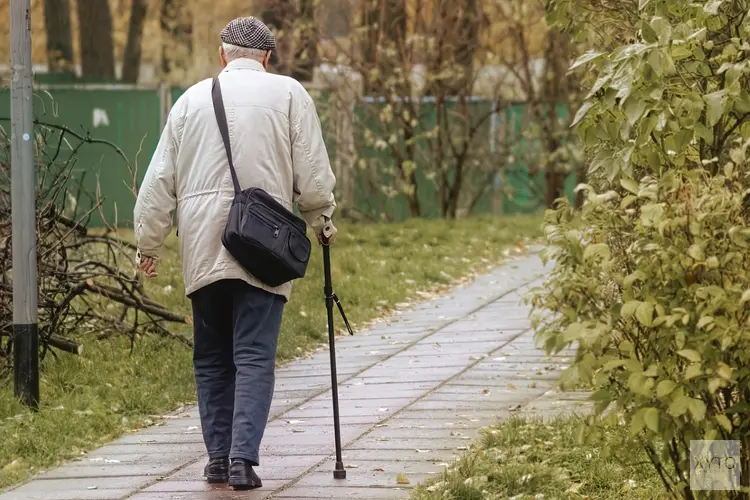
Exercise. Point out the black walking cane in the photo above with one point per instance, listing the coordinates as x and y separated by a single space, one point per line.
339 472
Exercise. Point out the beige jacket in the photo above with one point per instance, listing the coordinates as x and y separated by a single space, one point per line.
277 145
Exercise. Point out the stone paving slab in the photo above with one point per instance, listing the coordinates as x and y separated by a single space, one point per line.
414 391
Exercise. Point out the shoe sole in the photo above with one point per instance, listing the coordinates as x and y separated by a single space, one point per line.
242 485
216 479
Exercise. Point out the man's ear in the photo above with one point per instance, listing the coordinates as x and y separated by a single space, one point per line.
267 59
222 56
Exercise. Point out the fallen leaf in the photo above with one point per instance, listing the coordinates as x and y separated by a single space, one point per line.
351 466
485 391
574 488
298 430
15 464
379 469
293 422
423 451
382 410
401 479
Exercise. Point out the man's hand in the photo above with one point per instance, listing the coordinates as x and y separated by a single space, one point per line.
325 231
148 266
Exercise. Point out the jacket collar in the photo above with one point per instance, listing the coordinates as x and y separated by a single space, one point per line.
240 64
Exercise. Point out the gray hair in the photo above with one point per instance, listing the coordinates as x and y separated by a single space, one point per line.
232 52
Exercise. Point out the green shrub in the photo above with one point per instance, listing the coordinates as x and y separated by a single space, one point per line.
652 276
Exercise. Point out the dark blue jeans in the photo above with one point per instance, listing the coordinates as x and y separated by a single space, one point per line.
236 330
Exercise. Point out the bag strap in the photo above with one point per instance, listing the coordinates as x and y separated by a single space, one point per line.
221 120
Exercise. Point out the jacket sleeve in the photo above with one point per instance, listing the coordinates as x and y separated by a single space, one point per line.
157 198
313 177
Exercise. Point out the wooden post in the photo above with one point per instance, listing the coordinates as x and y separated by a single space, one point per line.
23 207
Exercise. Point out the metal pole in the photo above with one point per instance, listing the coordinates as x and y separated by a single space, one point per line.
23 206
339 471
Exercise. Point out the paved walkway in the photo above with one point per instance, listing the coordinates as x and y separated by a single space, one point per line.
414 391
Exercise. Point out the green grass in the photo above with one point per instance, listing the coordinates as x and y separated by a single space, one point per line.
90 399
528 459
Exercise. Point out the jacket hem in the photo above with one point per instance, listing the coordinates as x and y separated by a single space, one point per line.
283 290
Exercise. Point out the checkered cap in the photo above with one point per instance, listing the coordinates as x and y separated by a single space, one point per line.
248 32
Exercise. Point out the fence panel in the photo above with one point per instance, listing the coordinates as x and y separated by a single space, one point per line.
130 118
127 117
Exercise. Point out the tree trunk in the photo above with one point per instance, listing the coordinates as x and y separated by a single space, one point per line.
554 189
556 91
336 18
306 43
177 31
60 59
467 29
415 211
580 179
97 46
409 175
555 179
278 15
131 65
369 42
389 19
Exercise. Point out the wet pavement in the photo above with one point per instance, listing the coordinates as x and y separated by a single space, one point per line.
414 391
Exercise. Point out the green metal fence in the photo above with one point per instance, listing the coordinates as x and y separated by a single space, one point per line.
132 119
126 117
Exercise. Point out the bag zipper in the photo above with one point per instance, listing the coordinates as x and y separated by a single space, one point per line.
276 229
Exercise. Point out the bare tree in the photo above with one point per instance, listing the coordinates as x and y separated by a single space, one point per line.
422 137
546 88
95 36
176 23
87 280
59 37
306 42
279 16
384 42
131 65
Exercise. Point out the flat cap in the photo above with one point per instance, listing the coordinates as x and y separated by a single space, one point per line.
248 32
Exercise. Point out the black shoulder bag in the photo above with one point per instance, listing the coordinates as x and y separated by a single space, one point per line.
266 239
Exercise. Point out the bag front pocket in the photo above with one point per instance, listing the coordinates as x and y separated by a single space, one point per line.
299 246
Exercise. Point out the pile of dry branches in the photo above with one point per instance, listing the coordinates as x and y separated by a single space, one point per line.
87 280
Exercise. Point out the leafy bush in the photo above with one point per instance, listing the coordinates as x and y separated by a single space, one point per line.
652 276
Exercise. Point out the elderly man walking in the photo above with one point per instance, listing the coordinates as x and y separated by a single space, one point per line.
277 145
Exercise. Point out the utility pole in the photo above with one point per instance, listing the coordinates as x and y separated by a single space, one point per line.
23 207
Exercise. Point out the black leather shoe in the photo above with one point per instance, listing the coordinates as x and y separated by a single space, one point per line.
217 470
242 476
